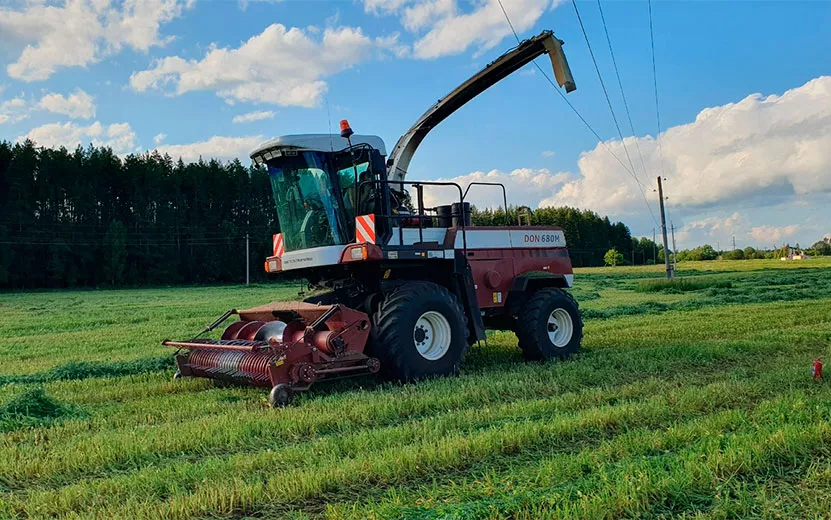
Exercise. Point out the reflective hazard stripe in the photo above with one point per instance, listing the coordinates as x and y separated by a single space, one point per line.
277 245
365 229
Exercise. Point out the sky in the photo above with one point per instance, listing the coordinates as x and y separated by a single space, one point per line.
744 96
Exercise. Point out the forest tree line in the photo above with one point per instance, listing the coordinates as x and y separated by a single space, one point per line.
87 218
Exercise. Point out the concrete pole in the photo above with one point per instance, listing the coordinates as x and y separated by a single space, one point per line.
664 228
247 256
674 250
654 248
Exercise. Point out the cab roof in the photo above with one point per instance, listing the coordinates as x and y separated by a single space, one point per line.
318 143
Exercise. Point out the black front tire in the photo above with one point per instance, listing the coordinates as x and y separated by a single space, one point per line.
533 325
280 396
394 331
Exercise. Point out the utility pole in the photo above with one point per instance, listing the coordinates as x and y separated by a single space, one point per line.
734 242
664 228
247 255
674 249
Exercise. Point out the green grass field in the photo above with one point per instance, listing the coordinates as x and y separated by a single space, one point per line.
691 400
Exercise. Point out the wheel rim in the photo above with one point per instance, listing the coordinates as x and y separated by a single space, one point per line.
560 327
432 335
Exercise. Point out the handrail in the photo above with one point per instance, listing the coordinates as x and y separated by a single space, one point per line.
420 215
504 195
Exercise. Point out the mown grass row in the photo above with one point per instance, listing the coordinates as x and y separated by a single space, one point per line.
62 455
42 330
659 295
690 467
689 283
32 408
76 370
383 456
136 430
672 414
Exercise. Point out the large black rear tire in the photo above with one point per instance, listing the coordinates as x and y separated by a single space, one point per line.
550 326
418 332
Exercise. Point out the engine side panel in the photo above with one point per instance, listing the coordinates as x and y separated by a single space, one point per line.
497 255
494 270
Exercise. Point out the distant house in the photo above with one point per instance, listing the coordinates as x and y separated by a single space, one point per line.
794 254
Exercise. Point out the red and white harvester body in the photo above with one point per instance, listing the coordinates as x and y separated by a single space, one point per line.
400 287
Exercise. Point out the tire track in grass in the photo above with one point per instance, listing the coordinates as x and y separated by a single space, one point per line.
46 463
244 483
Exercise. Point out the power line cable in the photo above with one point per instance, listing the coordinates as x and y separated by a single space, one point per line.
620 84
563 97
655 85
602 85
633 173
580 116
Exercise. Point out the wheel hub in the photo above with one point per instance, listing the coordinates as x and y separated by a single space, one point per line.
432 335
420 334
560 327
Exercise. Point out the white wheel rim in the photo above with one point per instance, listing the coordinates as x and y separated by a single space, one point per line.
560 327
431 335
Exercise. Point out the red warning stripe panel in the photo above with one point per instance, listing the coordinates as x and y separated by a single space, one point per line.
365 229
278 248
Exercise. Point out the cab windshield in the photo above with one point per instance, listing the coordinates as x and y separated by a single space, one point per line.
315 195
309 206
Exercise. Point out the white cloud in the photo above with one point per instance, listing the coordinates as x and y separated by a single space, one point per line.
215 147
279 66
768 234
756 151
384 6
484 27
715 224
250 117
243 4
159 138
13 110
712 229
118 136
423 14
75 33
79 105
392 44
548 153
524 186
444 29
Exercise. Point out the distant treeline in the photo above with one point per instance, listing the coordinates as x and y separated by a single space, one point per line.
89 218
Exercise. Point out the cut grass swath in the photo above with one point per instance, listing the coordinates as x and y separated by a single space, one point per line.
685 403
